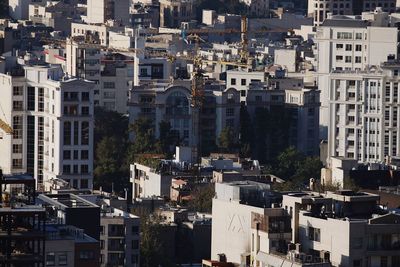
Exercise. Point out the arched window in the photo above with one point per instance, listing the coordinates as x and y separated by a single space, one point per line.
177 104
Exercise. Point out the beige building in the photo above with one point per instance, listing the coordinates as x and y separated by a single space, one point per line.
174 12
346 228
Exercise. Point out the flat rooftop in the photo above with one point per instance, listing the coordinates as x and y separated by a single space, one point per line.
67 201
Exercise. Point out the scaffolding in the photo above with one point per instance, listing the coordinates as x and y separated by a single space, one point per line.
22 224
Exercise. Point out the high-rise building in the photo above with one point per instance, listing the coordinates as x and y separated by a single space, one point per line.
364 114
349 44
52 121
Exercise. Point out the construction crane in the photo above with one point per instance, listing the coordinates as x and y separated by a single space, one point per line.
4 125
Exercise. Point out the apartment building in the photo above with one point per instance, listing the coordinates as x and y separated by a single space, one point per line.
240 80
166 101
345 228
22 228
174 12
232 209
119 238
69 246
99 11
321 9
112 73
147 182
349 44
52 121
19 9
70 209
257 8
58 16
364 114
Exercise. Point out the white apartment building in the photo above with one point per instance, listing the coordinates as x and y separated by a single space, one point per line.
19 9
52 121
240 80
148 182
364 114
348 44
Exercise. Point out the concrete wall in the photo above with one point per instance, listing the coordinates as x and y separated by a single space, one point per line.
231 229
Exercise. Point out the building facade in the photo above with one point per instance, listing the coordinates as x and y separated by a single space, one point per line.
52 121
364 114
347 44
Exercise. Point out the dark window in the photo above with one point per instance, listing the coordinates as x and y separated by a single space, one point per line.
31 98
84 154
85 133
67 133
67 154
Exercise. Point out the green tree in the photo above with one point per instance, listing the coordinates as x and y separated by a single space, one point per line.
202 198
227 140
246 132
109 164
143 130
110 139
167 140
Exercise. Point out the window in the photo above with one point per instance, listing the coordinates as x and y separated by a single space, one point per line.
357 59
233 81
349 47
339 46
67 133
31 98
18 90
230 112
84 168
109 95
76 133
339 58
17 163
86 255
67 169
17 105
109 85
17 148
358 36
17 127
314 234
84 154
243 93
85 96
75 168
85 133
348 59
243 82
50 259
67 154
344 35
84 183
62 259
85 110
358 48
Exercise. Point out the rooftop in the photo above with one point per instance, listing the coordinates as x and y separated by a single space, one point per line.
66 201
